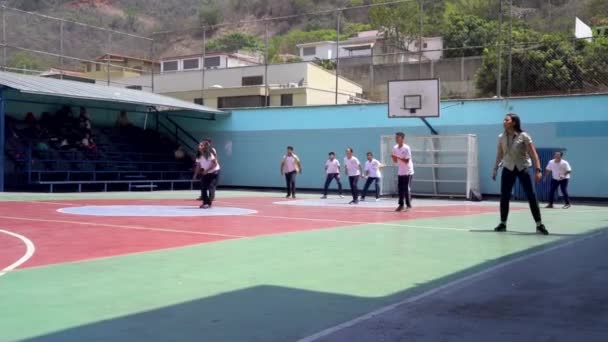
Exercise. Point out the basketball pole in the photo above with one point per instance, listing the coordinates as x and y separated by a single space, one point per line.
426 122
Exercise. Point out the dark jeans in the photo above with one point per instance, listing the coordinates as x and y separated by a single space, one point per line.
563 185
506 186
354 180
368 183
290 181
208 185
403 183
328 179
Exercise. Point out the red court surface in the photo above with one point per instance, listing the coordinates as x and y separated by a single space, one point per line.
60 237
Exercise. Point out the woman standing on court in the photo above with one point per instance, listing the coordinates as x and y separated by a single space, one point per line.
209 168
515 147
290 166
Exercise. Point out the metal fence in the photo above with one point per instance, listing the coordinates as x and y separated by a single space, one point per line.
352 65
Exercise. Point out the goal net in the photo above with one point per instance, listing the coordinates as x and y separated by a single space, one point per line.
444 165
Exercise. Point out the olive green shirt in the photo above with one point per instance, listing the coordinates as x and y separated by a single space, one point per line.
515 150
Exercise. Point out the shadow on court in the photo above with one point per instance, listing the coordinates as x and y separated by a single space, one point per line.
273 313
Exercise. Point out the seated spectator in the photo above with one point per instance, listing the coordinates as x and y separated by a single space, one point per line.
84 122
30 119
123 120
180 154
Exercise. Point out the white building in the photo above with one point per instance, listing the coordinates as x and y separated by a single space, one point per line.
212 61
291 84
363 45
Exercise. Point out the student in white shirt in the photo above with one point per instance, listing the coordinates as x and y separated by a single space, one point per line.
560 171
402 156
290 166
354 171
209 168
332 170
373 175
197 161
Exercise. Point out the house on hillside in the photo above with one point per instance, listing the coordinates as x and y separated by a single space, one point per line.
120 66
372 44
212 60
291 84
69 75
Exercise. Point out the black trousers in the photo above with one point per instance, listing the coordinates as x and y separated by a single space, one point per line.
403 183
354 180
290 182
563 185
506 186
368 183
328 179
208 185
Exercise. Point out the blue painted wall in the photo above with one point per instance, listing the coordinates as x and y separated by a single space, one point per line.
252 141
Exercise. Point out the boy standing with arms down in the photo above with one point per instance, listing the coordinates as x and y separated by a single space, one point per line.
353 170
402 156
332 169
290 167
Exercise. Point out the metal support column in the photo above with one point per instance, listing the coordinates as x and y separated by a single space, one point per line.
337 53
2 137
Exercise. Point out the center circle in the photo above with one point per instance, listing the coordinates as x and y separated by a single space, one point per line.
154 210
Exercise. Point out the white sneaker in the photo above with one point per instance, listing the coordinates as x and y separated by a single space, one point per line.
362 199
323 197
377 200
341 196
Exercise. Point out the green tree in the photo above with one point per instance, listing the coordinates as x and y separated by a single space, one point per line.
209 13
25 60
485 9
595 62
235 41
467 35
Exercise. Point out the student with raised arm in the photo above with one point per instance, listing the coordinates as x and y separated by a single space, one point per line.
402 156
332 171
373 175
515 147
290 167
560 171
354 171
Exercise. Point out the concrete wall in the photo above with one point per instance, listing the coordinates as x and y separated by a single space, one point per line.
252 141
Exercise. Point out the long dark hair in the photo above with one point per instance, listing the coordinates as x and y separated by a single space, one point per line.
516 122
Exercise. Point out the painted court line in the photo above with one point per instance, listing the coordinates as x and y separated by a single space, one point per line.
30 249
122 227
361 223
51 203
461 282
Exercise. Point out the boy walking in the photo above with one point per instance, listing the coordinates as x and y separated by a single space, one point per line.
560 171
402 156
332 170
353 170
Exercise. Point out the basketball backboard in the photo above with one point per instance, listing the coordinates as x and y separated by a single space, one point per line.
413 98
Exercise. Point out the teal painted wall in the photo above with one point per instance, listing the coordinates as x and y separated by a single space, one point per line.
252 141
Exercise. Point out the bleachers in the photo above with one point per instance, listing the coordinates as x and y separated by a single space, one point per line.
125 159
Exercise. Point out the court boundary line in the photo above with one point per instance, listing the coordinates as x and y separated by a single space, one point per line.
450 286
124 227
30 249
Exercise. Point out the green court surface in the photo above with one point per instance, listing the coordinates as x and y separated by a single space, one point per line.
281 286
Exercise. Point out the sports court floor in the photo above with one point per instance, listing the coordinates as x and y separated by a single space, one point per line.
153 267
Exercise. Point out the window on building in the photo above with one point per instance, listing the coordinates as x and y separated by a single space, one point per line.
190 64
287 100
134 87
199 101
170 66
309 51
212 62
240 101
252 80
97 67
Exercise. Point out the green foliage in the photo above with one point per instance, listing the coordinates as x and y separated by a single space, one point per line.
595 61
25 60
132 21
400 23
467 35
209 14
235 41
485 9
351 29
287 43
326 64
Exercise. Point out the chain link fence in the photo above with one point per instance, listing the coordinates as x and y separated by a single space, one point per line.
322 57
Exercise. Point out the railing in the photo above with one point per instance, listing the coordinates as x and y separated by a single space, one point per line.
38 175
180 135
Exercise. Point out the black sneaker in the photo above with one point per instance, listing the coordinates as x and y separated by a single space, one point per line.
353 202
399 208
204 206
501 228
287 196
549 206
566 206
542 230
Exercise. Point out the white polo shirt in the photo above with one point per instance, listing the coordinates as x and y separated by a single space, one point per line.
373 168
205 163
290 164
352 166
404 168
332 166
559 170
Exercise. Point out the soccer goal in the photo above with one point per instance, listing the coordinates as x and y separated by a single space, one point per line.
444 165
